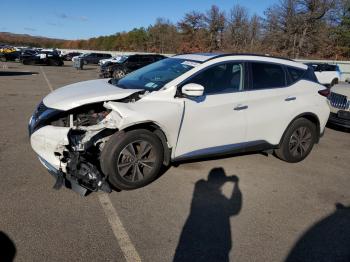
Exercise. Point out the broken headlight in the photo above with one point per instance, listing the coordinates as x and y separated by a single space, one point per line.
41 117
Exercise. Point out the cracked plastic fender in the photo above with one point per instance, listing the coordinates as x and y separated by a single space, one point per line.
166 114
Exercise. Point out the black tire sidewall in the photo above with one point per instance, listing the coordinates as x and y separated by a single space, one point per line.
116 71
116 144
285 144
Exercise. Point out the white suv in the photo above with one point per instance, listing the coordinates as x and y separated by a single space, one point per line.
98 133
328 75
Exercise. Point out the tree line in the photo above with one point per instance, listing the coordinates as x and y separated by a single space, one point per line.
290 28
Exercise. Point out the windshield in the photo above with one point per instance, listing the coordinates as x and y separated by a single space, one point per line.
156 75
86 54
120 59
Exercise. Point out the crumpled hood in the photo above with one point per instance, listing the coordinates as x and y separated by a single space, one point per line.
86 92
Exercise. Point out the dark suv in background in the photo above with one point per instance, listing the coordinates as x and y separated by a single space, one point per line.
128 64
93 58
32 57
69 56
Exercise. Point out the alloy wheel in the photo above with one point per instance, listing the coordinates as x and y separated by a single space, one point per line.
136 161
300 141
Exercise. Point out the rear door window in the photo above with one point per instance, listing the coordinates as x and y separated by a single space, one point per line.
266 75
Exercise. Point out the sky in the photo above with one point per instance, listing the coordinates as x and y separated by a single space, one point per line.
79 19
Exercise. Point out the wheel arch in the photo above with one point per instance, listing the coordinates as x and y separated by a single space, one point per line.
309 116
159 132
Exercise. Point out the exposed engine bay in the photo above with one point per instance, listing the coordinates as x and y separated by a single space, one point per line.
88 128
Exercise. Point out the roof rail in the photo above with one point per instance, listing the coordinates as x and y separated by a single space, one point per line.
248 54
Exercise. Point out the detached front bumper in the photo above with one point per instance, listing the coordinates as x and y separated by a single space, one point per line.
70 168
48 143
61 179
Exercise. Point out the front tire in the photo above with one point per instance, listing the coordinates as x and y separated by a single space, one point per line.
298 141
133 159
118 73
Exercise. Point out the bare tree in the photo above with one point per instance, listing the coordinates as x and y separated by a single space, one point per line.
193 32
163 36
237 28
215 20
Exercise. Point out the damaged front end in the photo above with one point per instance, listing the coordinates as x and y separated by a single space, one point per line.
69 143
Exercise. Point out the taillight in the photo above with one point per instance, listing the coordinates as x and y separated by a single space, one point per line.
325 92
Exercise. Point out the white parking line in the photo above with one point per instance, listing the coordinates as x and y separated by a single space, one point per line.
46 79
119 231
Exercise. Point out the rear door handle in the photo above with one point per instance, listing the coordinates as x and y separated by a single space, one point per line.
240 107
290 98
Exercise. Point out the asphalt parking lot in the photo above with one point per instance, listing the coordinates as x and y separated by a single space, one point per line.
245 208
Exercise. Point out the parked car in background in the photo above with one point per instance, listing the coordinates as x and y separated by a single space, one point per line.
30 57
98 133
326 74
10 56
127 64
69 56
114 59
9 53
92 58
339 100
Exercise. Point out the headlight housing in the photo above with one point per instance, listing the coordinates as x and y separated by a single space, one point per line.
40 116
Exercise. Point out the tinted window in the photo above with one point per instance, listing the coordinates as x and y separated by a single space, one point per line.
329 67
267 76
295 74
133 59
223 78
146 59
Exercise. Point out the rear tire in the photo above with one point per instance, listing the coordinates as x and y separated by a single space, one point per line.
297 141
133 159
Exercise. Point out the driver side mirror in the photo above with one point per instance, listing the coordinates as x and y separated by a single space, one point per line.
193 90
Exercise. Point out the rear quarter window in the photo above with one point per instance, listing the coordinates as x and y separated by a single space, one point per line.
295 74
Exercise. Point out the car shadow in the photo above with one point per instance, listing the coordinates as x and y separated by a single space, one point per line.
206 235
177 163
7 248
338 128
16 73
327 240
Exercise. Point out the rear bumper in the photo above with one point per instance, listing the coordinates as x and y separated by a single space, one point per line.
335 120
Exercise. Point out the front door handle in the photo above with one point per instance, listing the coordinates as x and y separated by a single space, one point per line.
240 107
290 98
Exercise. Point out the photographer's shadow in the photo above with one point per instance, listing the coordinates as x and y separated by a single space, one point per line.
206 235
7 248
